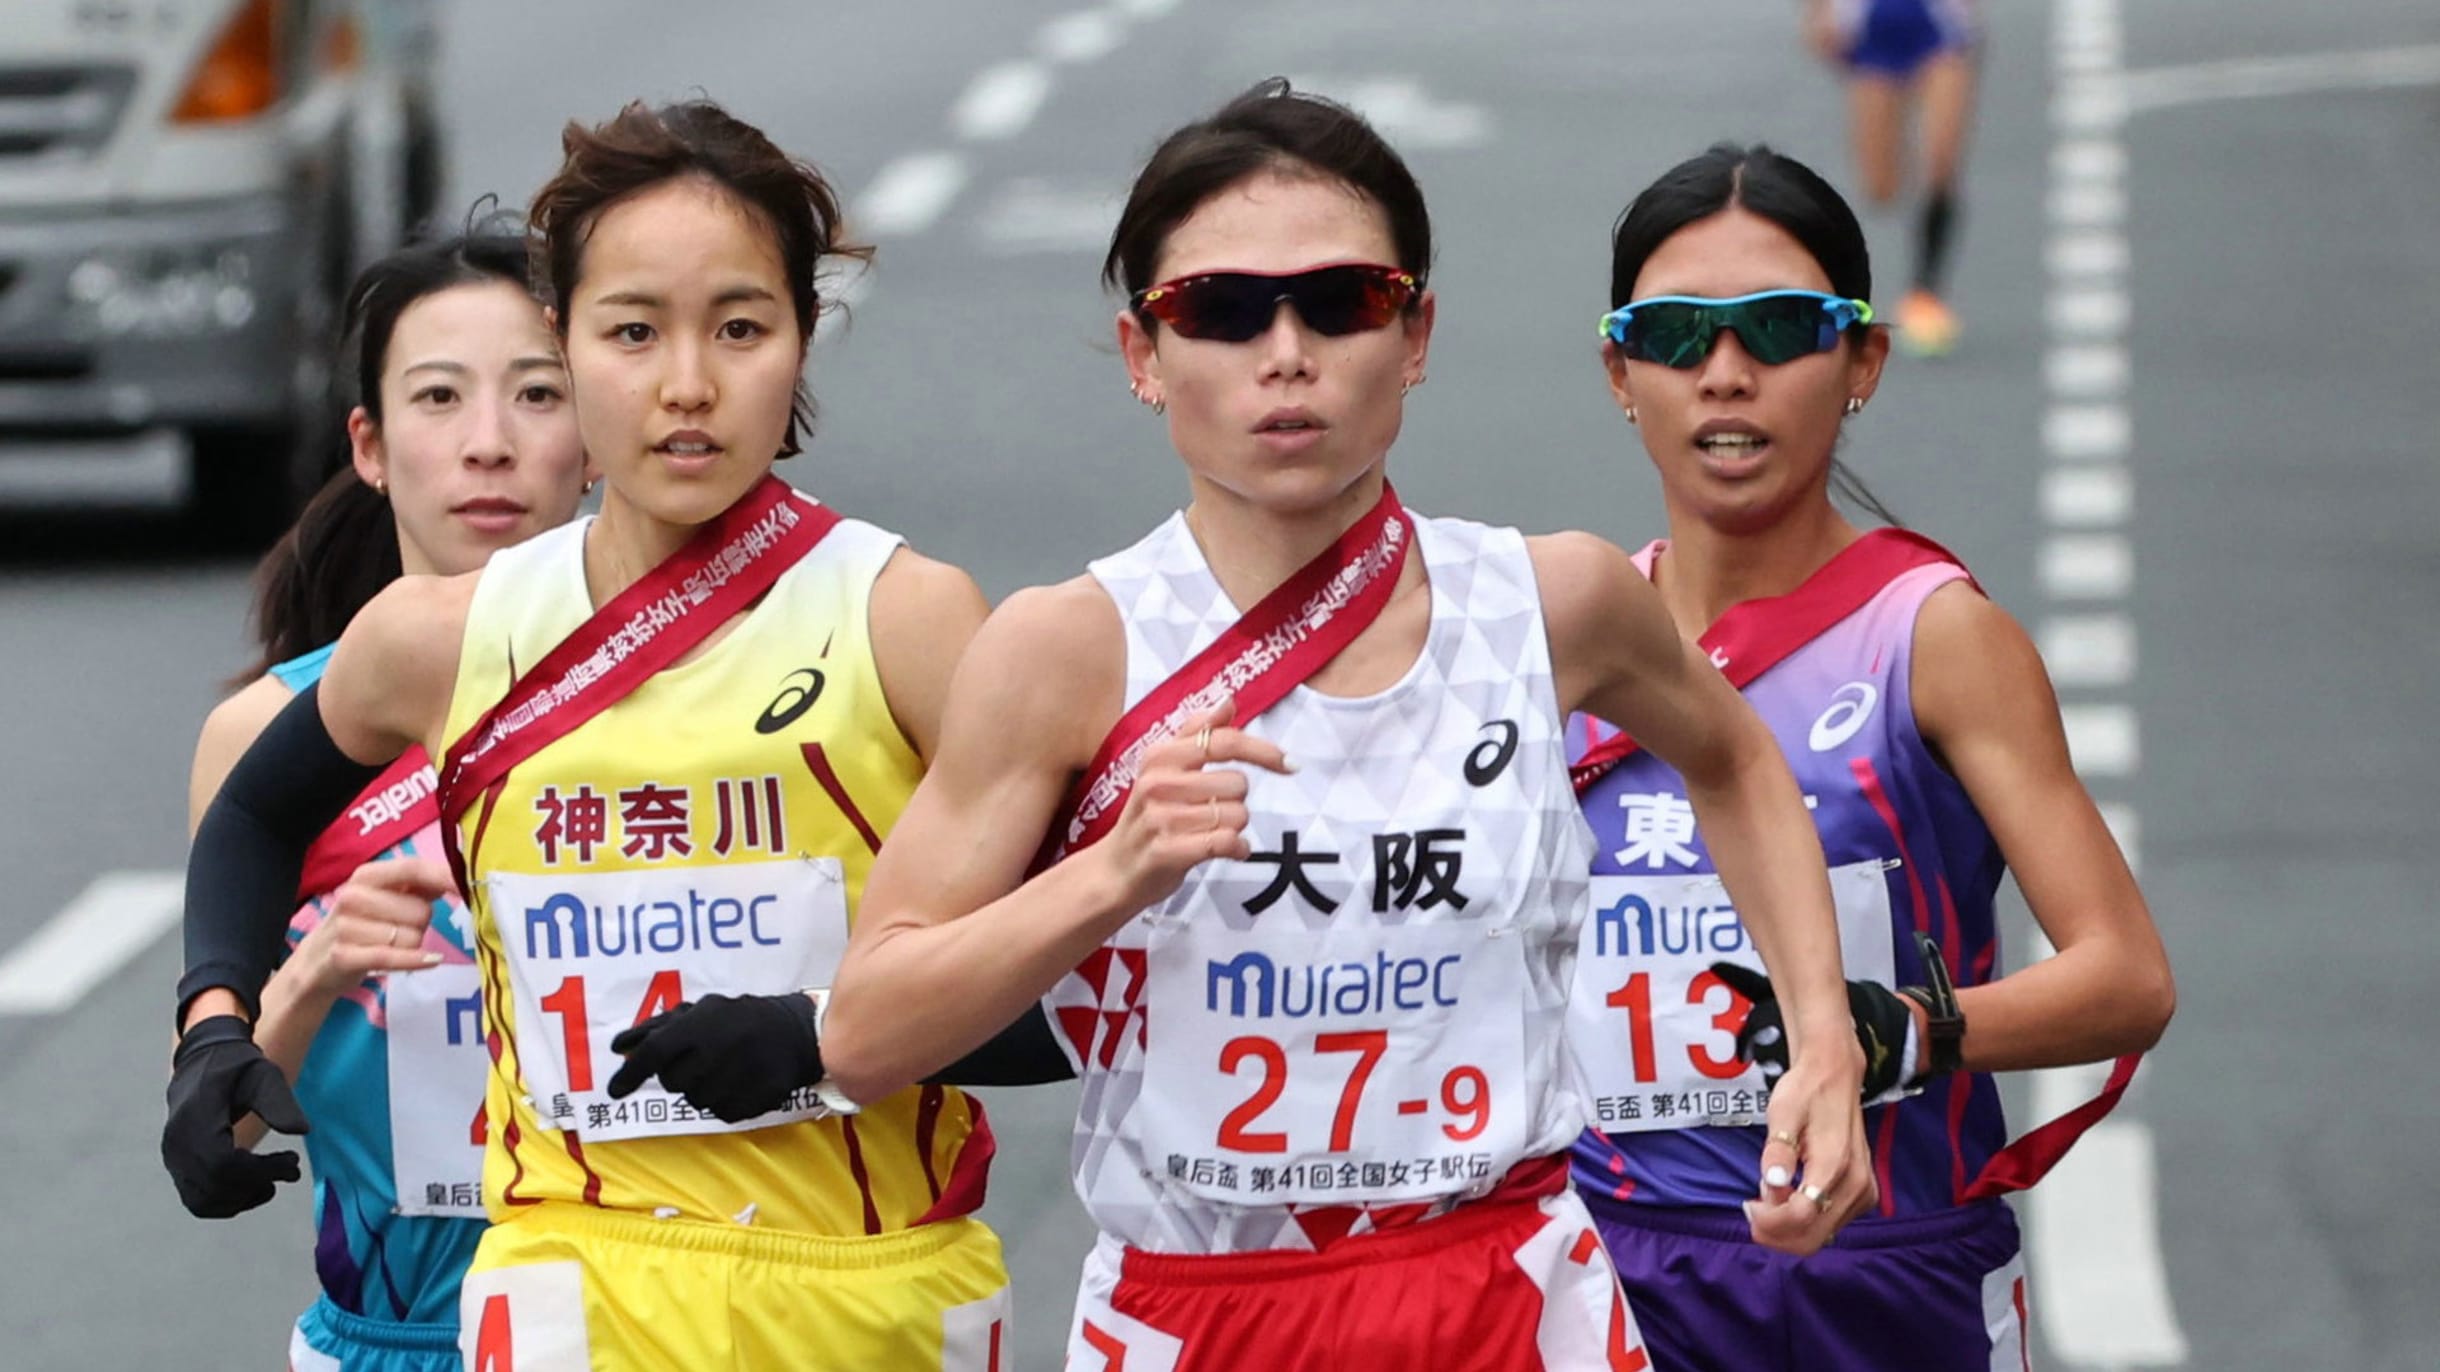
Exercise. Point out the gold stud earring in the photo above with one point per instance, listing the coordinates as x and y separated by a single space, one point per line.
1630 414
1855 404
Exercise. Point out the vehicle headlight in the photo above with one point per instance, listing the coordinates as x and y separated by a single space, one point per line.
162 294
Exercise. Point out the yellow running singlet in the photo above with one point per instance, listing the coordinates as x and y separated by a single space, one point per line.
710 832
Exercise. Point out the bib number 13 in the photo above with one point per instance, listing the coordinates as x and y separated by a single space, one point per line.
1635 997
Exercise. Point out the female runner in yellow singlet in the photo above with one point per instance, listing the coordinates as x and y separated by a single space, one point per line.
673 736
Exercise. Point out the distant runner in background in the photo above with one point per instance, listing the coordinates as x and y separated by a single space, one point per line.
1898 54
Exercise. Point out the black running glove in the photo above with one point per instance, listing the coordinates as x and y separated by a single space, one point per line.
217 1078
732 1057
1881 1018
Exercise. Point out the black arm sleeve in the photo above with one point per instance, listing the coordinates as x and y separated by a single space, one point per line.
249 852
1023 1054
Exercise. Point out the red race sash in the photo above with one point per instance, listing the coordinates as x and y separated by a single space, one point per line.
389 812
1757 635
2030 1158
1268 652
725 567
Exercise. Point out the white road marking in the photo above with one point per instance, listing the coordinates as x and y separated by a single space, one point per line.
2096 1254
110 923
1404 112
2089 649
1031 215
2090 311
2087 497
1000 101
2087 253
2088 104
2086 566
2088 159
2086 433
908 194
2093 1243
2088 205
1084 36
2102 739
2087 370
2158 88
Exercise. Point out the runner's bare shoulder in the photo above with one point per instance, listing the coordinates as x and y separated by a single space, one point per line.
922 615
389 683
1604 620
1046 676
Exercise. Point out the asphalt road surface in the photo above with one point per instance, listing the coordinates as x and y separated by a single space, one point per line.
2189 440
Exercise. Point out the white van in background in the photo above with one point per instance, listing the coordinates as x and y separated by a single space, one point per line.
186 188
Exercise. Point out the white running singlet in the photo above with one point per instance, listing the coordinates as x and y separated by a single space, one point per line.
1365 1023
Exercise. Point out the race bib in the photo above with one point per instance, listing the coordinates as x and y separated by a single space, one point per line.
437 1061
1307 1068
1655 1031
591 954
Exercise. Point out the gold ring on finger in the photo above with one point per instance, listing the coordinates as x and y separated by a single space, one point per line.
1214 802
1819 1197
1783 1136
1203 740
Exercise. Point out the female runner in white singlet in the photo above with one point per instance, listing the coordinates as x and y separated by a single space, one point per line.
1310 932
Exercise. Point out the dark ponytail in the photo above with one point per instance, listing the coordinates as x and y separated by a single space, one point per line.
343 547
338 555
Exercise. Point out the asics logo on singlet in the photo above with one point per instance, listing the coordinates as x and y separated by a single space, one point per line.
1634 927
1850 706
797 693
1259 988
1492 756
565 927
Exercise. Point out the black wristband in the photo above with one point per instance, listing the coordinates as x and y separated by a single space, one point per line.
1944 1020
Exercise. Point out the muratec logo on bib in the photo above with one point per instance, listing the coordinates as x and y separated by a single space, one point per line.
1257 987
1850 706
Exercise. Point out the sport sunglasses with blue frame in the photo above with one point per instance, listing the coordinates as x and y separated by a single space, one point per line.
1772 326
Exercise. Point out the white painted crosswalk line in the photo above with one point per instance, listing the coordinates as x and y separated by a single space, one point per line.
2096 1251
1001 101
2087 497
108 925
908 194
2089 650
